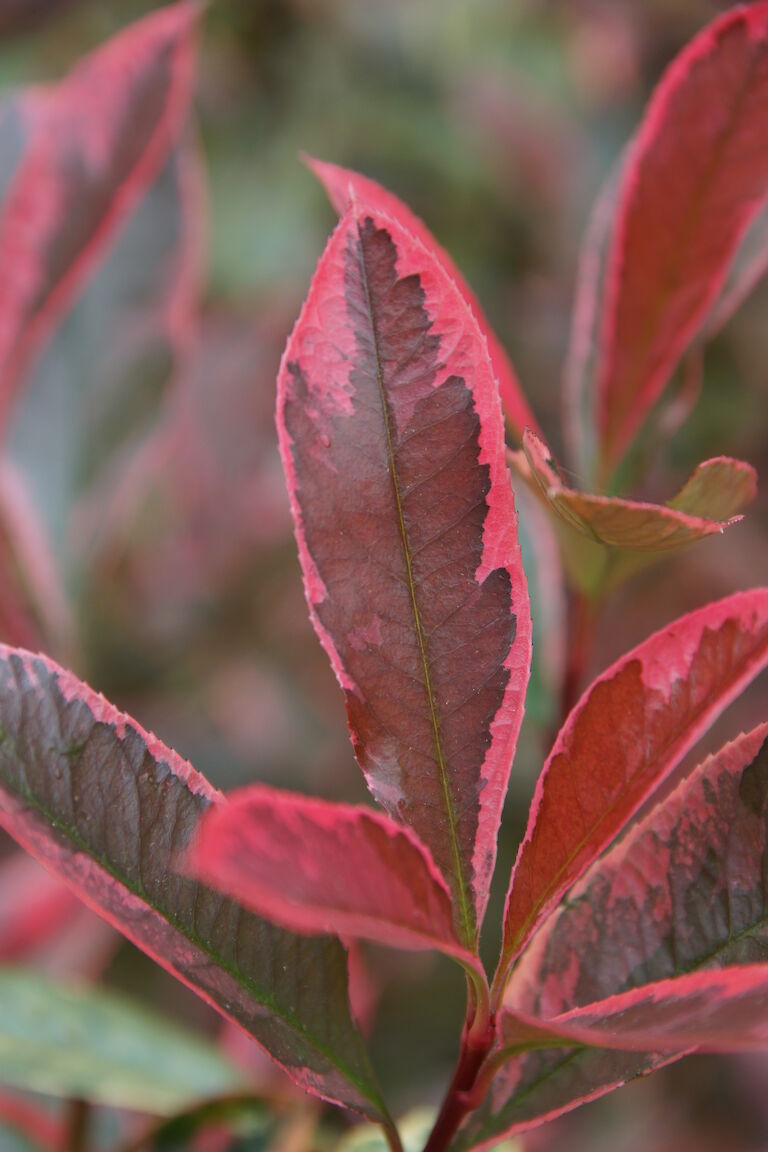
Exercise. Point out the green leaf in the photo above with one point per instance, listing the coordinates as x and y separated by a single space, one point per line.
90 1044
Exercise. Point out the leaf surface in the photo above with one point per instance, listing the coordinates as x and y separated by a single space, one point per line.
92 145
318 867
691 186
89 1044
109 808
343 186
709 501
724 1011
662 945
629 730
392 440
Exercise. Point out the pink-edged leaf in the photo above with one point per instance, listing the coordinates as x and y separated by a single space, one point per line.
708 503
109 809
94 144
343 186
721 1011
318 867
691 186
749 267
662 945
392 440
33 605
583 355
629 730
682 892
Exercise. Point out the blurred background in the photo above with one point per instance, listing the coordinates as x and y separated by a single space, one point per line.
166 573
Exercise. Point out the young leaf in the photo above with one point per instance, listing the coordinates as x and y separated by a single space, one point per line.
87 160
90 1044
345 186
690 188
717 489
392 440
318 867
109 808
708 502
629 730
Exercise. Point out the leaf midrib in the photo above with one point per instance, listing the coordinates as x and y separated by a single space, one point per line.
466 917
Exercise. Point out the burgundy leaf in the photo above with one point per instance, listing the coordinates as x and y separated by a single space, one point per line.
691 186
109 809
626 734
318 867
662 945
343 186
94 144
392 441
707 504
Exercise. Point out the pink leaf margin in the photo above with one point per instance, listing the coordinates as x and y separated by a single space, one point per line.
28 213
237 846
343 185
501 548
664 659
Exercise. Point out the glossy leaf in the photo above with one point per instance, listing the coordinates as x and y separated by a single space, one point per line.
629 730
87 159
109 808
392 441
90 1044
681 214
708 502
345 186
318 867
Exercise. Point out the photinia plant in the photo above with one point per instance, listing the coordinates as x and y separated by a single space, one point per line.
634 928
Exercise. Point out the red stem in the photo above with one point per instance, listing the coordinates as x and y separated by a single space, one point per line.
457 1103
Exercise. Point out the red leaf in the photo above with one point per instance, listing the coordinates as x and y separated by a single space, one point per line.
720 1011
109 809
95 143
392 441
629 730
750 265
318 867
655 948
695 178
343 186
